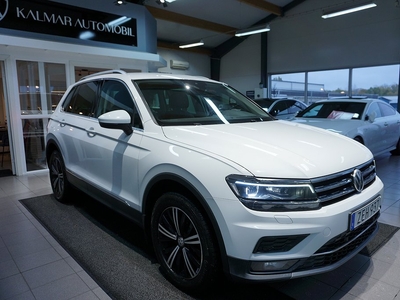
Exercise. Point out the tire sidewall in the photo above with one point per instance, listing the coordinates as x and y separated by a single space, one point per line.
208 271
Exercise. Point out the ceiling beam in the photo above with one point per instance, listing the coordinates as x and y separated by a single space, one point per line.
270 7
163 14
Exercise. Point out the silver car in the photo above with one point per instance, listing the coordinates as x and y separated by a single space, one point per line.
372 122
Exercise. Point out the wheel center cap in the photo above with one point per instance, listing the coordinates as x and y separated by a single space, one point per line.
181 242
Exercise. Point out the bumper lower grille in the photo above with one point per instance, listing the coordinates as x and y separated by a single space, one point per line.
339 247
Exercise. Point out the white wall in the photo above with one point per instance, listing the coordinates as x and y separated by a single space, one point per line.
241 68
199 63
303 41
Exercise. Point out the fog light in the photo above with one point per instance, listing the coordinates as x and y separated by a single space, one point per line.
269 266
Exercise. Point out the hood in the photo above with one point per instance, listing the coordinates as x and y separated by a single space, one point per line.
335 125
278 149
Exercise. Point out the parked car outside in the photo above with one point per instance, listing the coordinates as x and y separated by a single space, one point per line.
371 122
283 109
216 183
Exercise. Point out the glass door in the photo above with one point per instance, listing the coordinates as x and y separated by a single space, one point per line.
41 86
6 166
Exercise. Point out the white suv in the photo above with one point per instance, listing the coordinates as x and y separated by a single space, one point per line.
215 181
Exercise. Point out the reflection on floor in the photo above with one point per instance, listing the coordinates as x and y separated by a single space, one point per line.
34 266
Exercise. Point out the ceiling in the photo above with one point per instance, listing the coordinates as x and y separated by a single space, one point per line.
213 21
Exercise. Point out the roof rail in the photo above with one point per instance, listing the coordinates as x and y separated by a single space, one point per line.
104 72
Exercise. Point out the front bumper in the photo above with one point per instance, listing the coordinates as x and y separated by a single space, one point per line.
330 256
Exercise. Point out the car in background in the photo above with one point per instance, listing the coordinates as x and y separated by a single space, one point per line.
372 122
283 109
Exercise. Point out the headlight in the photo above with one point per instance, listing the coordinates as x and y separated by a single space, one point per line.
274 194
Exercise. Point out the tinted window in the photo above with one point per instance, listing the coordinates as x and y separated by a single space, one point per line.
374 109
82 99
386 110
114 95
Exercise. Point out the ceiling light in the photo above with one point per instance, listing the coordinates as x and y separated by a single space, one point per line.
194 44
119 2
253 30
163 2
348 10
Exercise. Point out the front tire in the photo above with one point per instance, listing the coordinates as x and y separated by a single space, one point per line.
58 179
183 243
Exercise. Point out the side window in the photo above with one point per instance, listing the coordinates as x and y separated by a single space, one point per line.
81 99
114 95
295 107
374 109
280 109
386 110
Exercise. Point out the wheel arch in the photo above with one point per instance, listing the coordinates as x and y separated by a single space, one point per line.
170 182
51 145
359 139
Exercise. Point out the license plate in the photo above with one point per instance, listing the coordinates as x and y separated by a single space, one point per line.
364 213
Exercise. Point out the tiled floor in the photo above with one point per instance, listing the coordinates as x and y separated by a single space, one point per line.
34 266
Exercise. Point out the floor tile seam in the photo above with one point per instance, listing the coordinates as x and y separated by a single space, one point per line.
380 280
14 296
51 281
60 280
388 211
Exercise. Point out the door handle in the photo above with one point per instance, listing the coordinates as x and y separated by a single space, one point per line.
91 132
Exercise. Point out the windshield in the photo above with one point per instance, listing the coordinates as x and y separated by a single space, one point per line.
189 102
334 110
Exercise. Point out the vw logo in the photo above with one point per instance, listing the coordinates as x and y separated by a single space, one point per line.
358 180
3 8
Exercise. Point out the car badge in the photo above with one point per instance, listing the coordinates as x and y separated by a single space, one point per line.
358 180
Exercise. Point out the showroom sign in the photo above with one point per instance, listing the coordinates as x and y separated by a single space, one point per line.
67 21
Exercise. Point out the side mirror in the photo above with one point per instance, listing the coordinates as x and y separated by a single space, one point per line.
117 119
371 117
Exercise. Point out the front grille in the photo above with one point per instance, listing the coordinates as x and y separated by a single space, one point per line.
336 187
340 246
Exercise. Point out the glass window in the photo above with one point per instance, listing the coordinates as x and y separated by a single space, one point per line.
41 86
82 100
29 87
56 84
39 94
34 143
189 102
115 95
377 82
374 110
288 85
327 84
386 110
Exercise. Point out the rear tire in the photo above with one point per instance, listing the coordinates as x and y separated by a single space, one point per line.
58 179
184 244
397 150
